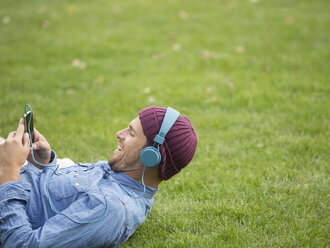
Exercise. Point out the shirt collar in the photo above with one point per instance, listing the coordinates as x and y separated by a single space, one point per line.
130 183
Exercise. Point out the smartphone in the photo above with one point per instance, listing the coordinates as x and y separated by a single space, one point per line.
27 117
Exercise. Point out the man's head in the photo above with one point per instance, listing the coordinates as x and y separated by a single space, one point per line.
177 150
131 141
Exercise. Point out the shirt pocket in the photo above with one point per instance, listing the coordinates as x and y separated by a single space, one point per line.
68 182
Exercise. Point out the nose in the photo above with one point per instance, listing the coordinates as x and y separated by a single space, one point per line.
120 134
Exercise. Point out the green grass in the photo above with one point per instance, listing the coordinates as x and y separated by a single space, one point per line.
253 76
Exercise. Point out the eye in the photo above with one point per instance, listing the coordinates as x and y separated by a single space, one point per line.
130 132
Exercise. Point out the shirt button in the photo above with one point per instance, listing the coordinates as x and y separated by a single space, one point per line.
40 171
77 184
60 172
84 169
76 175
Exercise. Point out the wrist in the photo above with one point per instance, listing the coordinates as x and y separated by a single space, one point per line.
45 158
8 174
44 161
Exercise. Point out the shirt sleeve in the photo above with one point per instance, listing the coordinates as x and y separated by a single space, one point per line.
59 231
52 162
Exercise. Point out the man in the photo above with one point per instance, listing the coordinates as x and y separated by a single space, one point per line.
86 205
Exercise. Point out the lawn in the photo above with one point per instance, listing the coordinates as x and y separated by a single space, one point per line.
252 75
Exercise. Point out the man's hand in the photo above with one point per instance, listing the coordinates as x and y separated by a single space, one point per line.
41 150
13 153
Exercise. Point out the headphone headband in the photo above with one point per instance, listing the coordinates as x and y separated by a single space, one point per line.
170 118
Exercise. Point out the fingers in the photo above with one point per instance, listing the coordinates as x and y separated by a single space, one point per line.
40 145
36 145
37 136
26 141
20 130
11 135
18 134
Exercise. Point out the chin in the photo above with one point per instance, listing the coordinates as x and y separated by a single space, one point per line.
116 162
120 161
112 161
114 167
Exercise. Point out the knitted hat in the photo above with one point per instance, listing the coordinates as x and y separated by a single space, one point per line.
180 142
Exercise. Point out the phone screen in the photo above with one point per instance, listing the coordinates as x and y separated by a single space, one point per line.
27 117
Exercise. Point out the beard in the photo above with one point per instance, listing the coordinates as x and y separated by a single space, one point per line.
122 161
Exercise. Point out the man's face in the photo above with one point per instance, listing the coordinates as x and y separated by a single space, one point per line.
131 141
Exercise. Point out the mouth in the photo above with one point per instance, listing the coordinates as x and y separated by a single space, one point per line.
119 149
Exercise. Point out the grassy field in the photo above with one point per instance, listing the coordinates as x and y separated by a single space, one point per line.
252 75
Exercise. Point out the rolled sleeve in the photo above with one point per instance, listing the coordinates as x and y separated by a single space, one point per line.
60 231
53 159
13 219
14 190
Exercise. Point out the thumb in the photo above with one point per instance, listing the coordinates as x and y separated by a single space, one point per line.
35 146
26 141
39 145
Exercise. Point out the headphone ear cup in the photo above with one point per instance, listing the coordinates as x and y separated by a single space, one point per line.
150 156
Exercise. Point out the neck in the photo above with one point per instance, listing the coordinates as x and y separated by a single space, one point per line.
150 178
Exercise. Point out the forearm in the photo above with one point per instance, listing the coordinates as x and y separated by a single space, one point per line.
9 174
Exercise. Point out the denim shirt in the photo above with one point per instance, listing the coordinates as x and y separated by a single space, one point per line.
84 193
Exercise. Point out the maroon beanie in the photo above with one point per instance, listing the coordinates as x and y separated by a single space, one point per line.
180 142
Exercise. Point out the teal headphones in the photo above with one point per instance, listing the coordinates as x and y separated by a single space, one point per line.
150 156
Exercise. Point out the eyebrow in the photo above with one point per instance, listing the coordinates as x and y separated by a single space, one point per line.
130 126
